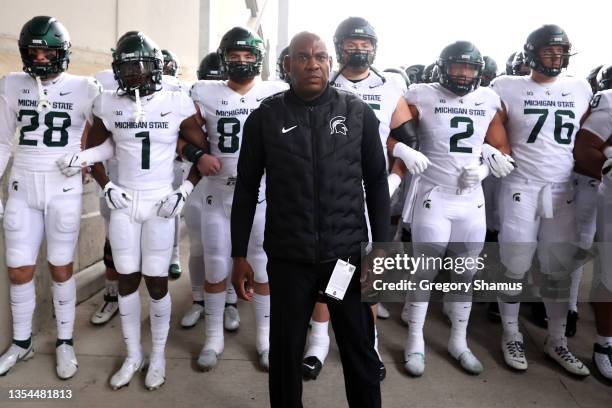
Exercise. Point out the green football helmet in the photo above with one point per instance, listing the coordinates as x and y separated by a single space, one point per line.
211 69
43 32
138 64
460 52
240 38
547 35
171 63
355 27
489 72
280 69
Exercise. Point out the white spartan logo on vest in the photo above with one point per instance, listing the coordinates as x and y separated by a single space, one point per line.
336 125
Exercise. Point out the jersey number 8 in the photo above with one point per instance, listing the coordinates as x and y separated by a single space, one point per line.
228 129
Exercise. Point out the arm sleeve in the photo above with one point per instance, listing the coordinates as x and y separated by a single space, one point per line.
7 129
375 178
599 121
251 162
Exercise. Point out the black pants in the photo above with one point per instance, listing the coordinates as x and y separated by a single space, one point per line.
294 289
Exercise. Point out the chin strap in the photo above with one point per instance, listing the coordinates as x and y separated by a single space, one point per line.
139 115
43 102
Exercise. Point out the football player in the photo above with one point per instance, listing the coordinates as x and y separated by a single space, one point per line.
461 132
489 72
355 44
224 107
210 69
592 152
280 69
51 109
141 124
592 77
541 112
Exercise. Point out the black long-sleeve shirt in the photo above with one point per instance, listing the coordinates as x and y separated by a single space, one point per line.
314 174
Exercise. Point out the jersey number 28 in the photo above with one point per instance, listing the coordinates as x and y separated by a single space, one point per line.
50 117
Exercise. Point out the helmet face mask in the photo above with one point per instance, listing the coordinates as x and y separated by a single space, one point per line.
280 68
138 64
44 45
241 39
356 30
547 50
456 65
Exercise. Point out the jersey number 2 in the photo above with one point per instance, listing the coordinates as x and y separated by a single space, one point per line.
469 131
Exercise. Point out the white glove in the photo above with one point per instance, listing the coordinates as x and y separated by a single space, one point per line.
415 161
173 203
472 174
606 169
394 181
70 164
1 210
116 197
499 163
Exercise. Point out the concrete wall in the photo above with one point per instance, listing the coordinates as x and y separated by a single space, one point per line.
190 28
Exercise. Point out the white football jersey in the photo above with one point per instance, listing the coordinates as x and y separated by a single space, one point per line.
451 128
225 112
51 133
543 120
599 121
144 150
169 83
381 97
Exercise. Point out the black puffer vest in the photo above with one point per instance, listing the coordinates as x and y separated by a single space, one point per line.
314 193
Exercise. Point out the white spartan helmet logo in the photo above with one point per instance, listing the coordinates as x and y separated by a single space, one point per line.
336 125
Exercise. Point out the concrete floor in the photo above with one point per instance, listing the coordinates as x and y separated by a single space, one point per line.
237 381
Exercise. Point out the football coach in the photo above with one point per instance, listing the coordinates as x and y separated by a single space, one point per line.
320 148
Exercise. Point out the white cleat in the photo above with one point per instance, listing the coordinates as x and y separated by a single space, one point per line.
602 357
125 374
156 375
513 349
231 318
66 361
470 363
207 359
105 311
558 351
192 316
382 312
13 355
264 360
415 364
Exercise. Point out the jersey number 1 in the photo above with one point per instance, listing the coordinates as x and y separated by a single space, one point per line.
145 153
